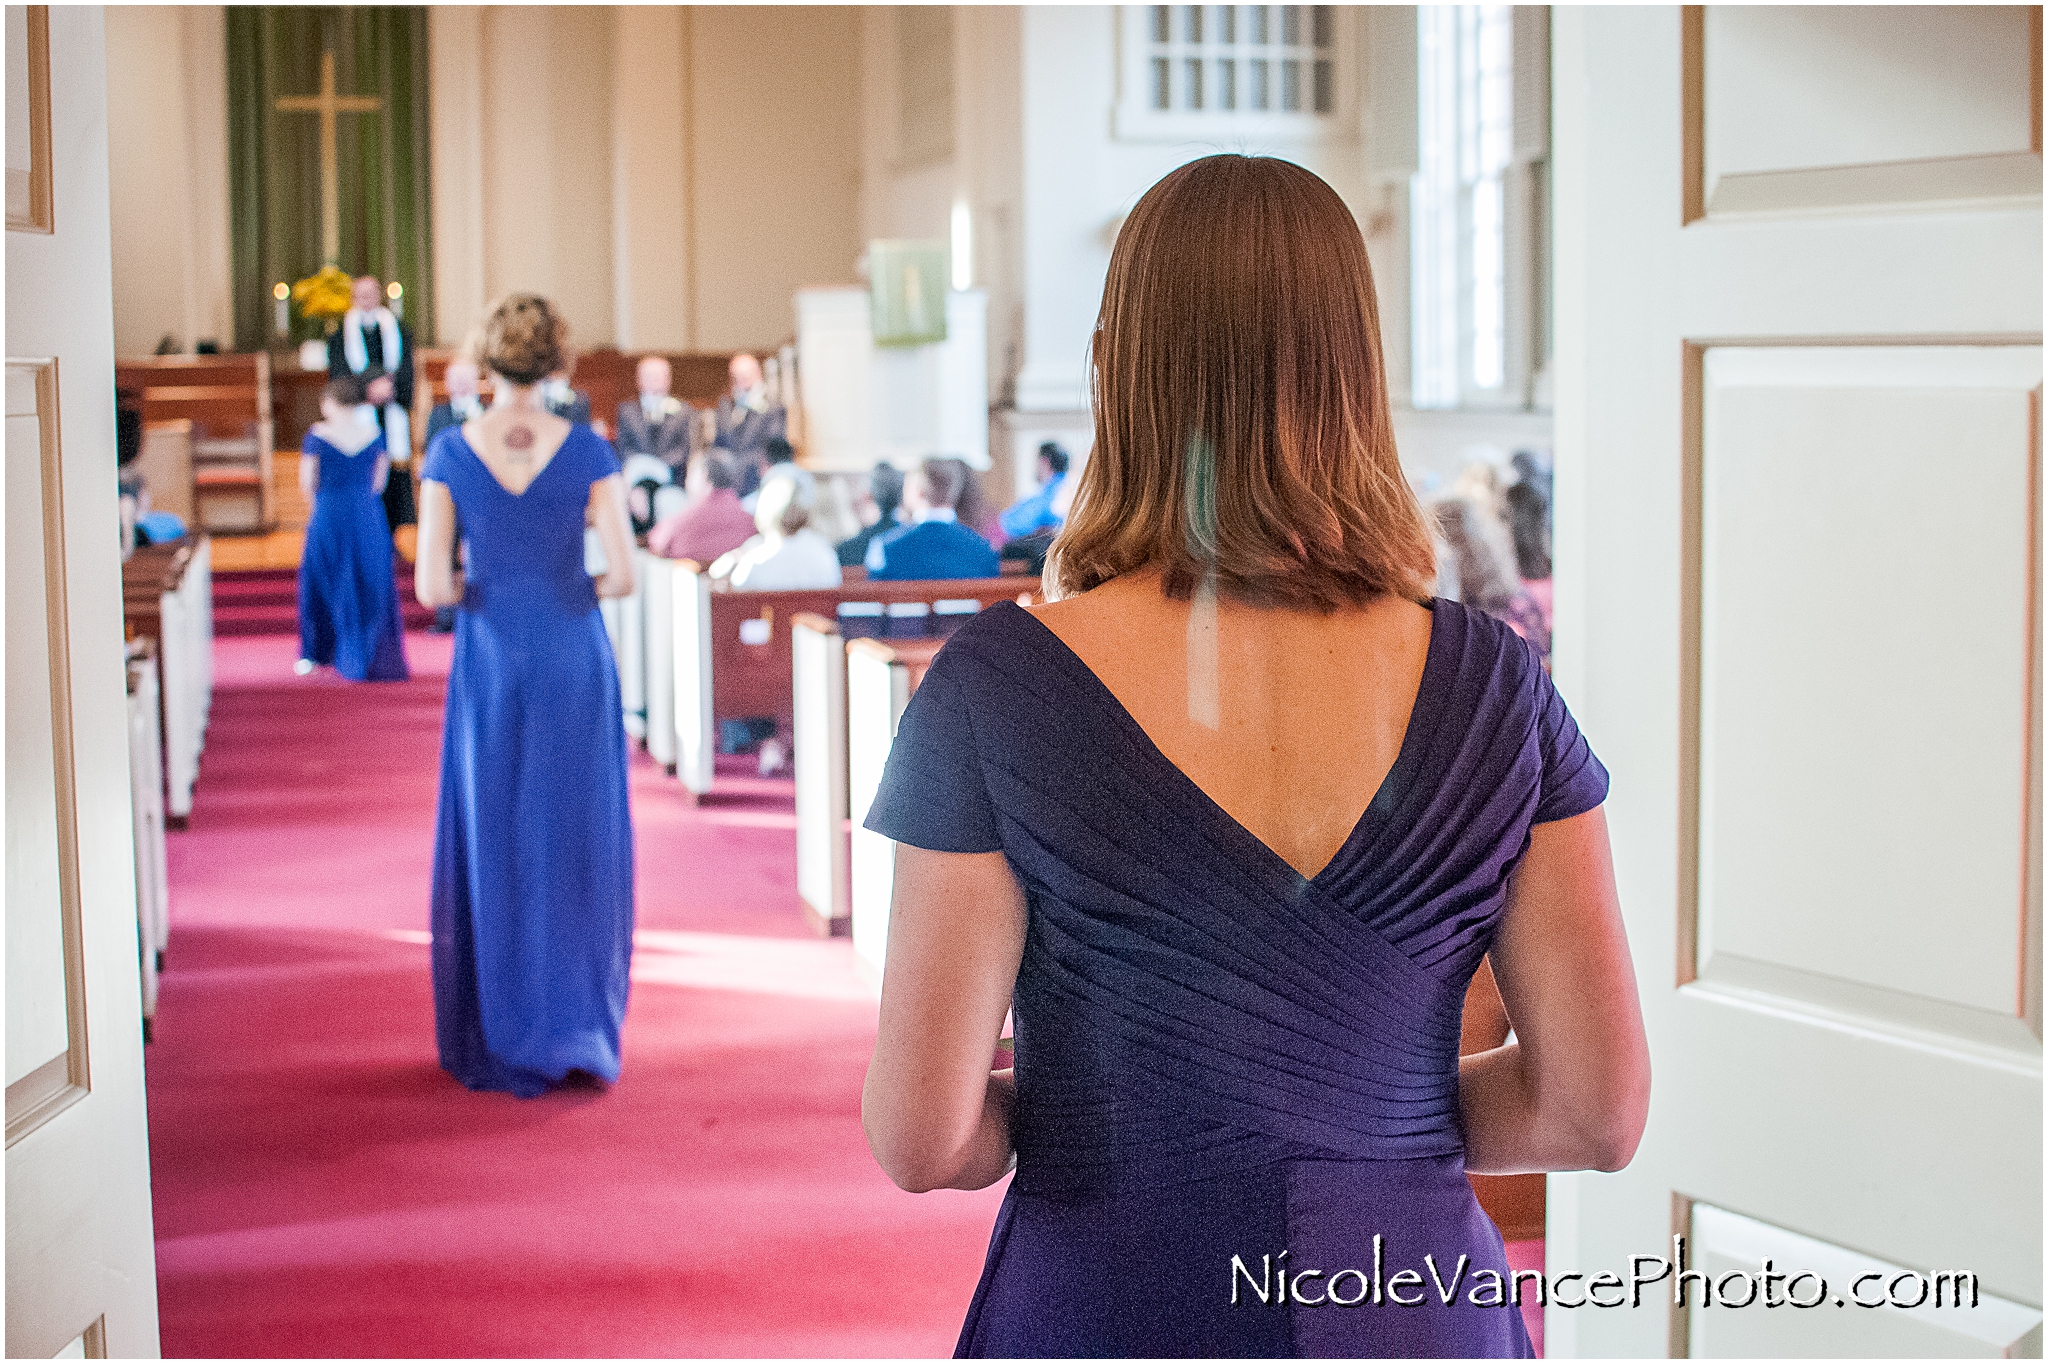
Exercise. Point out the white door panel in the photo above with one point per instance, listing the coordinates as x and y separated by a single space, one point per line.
1798 282
81 1266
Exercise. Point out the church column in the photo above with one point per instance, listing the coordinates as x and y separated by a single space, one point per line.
652 224
455 85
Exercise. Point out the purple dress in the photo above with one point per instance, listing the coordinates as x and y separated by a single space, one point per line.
532 906
348 589
1230 1077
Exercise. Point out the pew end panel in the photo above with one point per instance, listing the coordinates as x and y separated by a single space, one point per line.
749 638
146 795
658 656
818 754
696 729
881 676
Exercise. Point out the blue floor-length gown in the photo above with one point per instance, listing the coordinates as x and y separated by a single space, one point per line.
1221 1062
348 589
533 842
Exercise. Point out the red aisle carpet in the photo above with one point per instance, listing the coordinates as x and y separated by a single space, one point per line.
321 1188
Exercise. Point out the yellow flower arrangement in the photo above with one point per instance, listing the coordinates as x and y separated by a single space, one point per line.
324 295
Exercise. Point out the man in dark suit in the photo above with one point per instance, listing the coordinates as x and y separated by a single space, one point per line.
464 403
937 546
747 421
654 422
372 344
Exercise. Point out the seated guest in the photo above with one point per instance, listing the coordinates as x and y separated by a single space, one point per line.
787 555
1528 512
885 498
778 460
1031 550
937 546
654 422
1030 515
974 510
747 421
464 402
1482 558
713 522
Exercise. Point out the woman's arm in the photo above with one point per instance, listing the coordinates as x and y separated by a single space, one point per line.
381 474
937 1116
433 577
309 476
1571 1091
607 512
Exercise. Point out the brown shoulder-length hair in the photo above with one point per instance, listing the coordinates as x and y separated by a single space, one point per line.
1241 420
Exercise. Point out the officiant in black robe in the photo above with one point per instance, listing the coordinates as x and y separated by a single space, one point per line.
372 344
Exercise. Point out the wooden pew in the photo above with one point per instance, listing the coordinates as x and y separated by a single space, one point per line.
731 650
818 758
167 595
881 675
657 578
227 399
146 803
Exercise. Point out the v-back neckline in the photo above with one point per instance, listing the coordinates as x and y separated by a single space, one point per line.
492 474
1387 794
347 454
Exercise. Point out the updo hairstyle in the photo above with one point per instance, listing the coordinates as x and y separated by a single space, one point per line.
525 339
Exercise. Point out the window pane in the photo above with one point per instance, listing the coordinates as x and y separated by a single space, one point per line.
1162 24
1194 84
1261 96
1322 25
1258 15
1324 96
1226 84
1290 25
1226 23
1489 310
1290 86
1194 23
1161 95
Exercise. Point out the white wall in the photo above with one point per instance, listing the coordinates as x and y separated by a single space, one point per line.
669 175
167 157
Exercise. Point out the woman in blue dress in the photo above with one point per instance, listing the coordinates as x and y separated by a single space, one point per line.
1228 828
348 594
533 842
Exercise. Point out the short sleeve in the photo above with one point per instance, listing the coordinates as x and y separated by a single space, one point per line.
603 460
932 794
439 456
1573 779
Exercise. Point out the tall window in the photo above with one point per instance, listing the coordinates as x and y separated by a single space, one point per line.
1202 71
1459 237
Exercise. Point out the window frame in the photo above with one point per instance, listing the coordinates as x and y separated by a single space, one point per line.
1523 180
1135 117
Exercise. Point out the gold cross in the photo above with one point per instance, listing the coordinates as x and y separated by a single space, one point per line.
329 106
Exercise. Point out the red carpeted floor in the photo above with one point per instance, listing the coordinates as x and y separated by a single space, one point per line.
322 1188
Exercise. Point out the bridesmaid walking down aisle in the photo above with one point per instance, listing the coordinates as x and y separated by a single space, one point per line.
348 596
533 844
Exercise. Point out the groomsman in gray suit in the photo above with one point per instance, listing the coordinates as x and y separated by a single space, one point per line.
747 421
653 422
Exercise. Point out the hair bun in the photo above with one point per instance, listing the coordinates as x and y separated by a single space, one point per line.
524 339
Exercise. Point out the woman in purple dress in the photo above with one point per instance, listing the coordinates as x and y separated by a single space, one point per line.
1230 825
532 905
